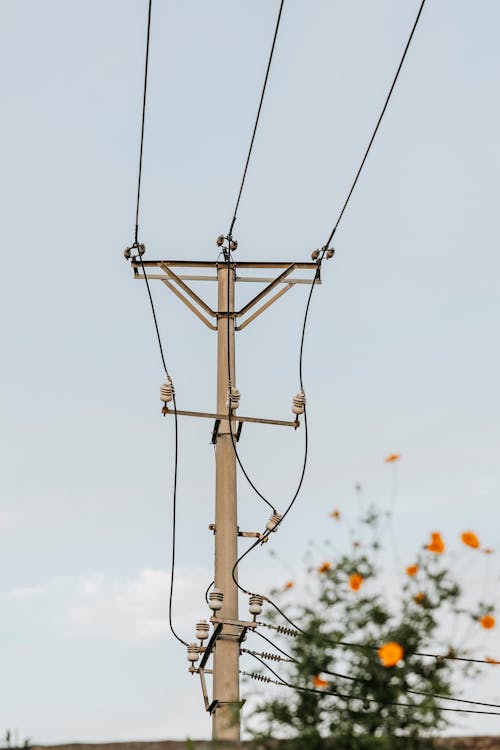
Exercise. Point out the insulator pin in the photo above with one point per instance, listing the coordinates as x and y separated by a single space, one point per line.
215 599
167 391
299 402
255 604
193 653
202 630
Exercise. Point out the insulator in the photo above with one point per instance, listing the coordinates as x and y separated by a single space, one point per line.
267 655
167 391
215 599
192 652
127 253
233 245
279 629
273 522
259 677
299 402
220 240
233 397
315 254
202 630
141 249
255 604
330 252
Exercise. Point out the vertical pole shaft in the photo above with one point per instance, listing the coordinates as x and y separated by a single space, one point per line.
226 717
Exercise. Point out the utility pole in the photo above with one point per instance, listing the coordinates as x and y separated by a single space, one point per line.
228 630
226 680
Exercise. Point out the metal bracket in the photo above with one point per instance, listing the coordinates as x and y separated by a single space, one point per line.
251 534
215 431
215 705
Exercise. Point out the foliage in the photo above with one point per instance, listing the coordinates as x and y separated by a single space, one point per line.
372 708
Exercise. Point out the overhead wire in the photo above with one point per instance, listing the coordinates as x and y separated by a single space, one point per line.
359 680
375 130
137 245
261 101
326 247
345 696
347 644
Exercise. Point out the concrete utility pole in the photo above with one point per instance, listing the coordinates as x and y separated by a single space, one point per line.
228 630
226 680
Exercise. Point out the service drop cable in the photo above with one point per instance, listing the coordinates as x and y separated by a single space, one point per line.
160 346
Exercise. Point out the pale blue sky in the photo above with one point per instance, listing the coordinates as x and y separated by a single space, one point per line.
402 350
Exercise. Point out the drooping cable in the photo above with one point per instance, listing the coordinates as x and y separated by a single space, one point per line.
285 683
157 329
263 92
306 442
375 131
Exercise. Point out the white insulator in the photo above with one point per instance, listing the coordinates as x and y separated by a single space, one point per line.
330 252
215 599
255 604
192 652
299 402
274 520
167 391
202 630
233 397
315 254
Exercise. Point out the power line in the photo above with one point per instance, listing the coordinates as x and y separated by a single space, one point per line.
321 256
361 681
370 143
140 251
143 120
284 683
256 120
372 647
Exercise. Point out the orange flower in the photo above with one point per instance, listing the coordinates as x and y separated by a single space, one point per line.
289 585
335 514
393 457
487 622
355 582
318 682
470 539
412 570
491 660
419 598
324 567
436 544
390 653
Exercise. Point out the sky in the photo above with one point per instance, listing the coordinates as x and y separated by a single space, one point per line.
401 353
